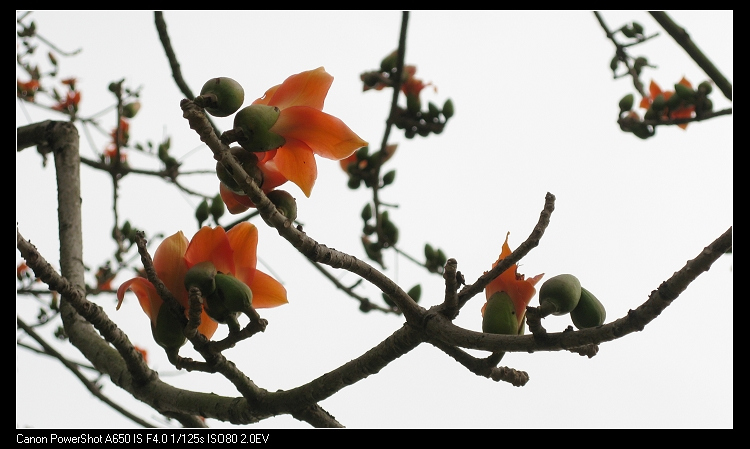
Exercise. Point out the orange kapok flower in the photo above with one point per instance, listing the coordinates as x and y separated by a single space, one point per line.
232 252
682 111
27 90
306 129
520 289
70 103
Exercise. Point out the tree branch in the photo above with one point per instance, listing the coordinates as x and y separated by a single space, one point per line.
683 39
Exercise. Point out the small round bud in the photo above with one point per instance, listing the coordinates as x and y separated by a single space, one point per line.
560 294
221 96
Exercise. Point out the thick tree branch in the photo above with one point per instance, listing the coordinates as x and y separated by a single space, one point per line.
683 39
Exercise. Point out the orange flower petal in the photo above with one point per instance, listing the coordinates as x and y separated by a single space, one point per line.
295 160
235 203
208 326
211 244
519 289
685 83
170 267
145 292
243 239
303 89
266 98
272 177
325 134
267 291
654 89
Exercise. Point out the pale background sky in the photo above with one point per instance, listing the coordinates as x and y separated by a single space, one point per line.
536 110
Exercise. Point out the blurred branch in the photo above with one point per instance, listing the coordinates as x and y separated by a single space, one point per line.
73 368
683 39
622 55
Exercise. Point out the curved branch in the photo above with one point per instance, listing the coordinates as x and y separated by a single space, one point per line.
440 328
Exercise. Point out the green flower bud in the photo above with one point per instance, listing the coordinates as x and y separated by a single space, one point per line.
387 299
255 121
674 102
389 62
127 231
413 104
432 110
638 28
217 208
659 103
643 131
367 212
589 312
168 330
614 62
389 177
391 232
235 294
448 109
685 93
131 109
500 315
362 153
284 202
415 292
354 182
202 275
201 212
429 252
440 258
221 96
559 294
626 103
705 88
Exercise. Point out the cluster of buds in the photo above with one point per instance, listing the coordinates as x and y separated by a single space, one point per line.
563 294
363 167
26 90
69 103
412 119
215 210
435 259
171 165
683 102
121 134
385 230
120 137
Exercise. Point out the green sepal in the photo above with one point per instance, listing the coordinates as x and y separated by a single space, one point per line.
168 330
500 315
201 275
255 121
235 294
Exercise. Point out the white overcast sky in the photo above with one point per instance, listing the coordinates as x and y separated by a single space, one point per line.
536 110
